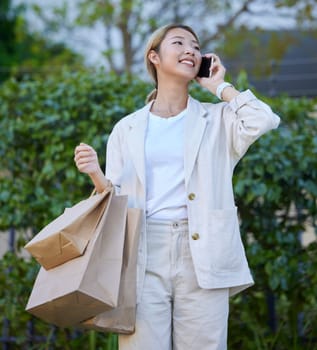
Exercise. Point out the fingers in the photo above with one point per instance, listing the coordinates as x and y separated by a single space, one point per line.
81 160
216 76
217 69
83 147
214 58
82 153
86 158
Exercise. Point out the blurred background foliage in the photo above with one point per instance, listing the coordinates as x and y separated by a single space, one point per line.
50 100
25 53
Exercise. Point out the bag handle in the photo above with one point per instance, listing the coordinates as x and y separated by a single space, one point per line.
94 191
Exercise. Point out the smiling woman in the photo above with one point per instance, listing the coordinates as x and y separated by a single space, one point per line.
174 158
176 37
180 45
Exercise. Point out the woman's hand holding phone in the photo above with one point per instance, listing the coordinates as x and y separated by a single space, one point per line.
211 72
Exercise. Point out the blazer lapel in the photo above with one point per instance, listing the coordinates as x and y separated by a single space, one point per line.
194 130
196 122
136 141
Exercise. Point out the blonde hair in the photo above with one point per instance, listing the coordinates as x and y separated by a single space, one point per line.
154 43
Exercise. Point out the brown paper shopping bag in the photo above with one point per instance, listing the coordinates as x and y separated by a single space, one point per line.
89 284
68 235
122 318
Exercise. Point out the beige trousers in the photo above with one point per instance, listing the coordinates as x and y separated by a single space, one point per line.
174 312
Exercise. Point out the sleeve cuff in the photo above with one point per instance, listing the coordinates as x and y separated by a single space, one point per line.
241 99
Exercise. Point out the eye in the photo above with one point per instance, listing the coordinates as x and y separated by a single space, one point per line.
197 48
178 42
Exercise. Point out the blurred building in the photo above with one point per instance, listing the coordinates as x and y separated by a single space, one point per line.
279 63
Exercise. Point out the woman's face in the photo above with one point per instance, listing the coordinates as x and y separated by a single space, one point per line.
179 55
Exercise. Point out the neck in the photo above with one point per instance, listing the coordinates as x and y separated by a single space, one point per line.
170 100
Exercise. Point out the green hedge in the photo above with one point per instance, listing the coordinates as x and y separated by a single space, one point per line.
41 123
275 184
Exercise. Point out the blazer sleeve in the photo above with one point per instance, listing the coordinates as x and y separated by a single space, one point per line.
246 119
114 160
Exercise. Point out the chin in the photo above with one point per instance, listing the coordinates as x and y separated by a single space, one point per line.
189 75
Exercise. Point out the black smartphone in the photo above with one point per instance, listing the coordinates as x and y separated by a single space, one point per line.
204 67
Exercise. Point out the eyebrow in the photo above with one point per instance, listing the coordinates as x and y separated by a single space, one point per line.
181 37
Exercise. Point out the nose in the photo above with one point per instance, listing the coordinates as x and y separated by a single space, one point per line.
189 51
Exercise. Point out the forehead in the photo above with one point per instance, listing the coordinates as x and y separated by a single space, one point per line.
180 33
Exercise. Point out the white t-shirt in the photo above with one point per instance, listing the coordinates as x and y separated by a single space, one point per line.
164 159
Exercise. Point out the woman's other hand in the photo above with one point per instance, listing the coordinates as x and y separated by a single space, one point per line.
86 159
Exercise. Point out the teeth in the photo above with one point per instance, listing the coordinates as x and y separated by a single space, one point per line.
188 62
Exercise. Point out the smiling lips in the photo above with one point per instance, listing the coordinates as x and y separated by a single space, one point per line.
188 62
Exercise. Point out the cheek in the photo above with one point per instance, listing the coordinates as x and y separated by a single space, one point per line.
167 59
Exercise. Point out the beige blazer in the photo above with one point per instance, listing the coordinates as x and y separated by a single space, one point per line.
216 137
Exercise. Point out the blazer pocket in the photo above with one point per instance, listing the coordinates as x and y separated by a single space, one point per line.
224 240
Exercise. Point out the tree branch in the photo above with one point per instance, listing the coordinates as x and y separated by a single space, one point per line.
230 21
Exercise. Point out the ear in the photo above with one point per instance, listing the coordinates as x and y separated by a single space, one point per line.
153 57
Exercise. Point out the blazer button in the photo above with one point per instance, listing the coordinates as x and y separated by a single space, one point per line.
195 236
191 196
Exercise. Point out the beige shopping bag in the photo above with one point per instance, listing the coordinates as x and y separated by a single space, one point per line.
68 235
89 284
122 318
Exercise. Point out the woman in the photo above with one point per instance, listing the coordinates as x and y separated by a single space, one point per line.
174 158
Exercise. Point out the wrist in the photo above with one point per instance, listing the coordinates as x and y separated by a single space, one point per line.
96 172
99 180
220 89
